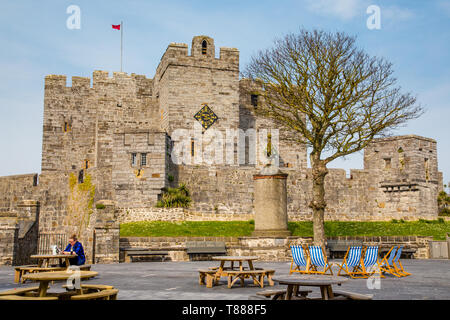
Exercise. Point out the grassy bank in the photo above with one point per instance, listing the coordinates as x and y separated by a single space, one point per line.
435 228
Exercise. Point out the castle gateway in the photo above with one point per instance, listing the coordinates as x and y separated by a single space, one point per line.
112 144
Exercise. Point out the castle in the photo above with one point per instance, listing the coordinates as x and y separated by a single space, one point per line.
117 137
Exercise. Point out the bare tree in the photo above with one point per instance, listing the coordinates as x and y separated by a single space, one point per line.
332 95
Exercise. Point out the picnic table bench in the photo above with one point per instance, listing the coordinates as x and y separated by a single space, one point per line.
108 294
129 253
258 275
352 295
205 247
280 294
20 271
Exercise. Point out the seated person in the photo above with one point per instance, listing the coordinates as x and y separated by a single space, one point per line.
75 247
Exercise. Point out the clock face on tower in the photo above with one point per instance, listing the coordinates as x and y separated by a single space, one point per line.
206 116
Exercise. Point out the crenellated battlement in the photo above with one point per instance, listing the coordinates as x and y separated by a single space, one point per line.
99 78
202 55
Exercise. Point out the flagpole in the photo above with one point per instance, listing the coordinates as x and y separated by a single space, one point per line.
121 44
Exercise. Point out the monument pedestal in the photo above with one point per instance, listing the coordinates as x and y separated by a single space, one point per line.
270 203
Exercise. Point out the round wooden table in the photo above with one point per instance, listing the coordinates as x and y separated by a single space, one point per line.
44 259
323 281
45 277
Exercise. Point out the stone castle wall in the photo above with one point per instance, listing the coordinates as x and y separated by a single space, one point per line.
92 129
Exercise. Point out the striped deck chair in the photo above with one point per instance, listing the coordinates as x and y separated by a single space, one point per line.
399 269
319 260
369 262
386 262
352 261
300 258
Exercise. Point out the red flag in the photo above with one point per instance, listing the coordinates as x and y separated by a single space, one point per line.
116 26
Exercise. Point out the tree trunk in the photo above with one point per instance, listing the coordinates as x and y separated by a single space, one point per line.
318 204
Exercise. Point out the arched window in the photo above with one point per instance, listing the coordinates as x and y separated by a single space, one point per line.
204 46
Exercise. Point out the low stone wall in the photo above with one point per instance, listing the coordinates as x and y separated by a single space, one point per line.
180 214
267 249
176 214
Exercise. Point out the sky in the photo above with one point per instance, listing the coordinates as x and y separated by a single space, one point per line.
36 41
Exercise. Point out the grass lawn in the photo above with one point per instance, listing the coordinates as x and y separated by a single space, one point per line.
435 228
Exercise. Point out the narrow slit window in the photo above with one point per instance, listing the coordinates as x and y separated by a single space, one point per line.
387 163
81 176
204 46
86 164
269 145
254 100
192 147
143 159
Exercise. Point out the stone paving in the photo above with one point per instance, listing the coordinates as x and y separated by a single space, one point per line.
430 280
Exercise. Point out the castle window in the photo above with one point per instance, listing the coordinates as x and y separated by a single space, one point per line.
254 100
427 168
143 159
81 176
133 159
192 147
86 164
35 180
269 145
387 163
204 46
67 126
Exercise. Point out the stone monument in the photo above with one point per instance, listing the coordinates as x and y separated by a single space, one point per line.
271 203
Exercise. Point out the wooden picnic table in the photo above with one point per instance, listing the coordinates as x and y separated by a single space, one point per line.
235 272
44 259
232 260
44 278
325 283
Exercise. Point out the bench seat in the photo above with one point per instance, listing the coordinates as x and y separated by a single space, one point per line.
18 291
108 294
132 253
24 270
257 275
16 297
209 275
352 295
279 294
206 247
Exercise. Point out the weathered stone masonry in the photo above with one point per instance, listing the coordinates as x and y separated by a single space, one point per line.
109 140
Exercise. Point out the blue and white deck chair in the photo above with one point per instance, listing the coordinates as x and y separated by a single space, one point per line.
370 263
300 259
351 264
319 260
387 262
399 269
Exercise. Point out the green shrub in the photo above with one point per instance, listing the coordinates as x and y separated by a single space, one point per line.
100 206
444 212
175 198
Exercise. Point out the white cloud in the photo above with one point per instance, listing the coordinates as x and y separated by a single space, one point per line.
397 13
343 9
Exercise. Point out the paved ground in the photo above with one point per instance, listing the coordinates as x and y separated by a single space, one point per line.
179 280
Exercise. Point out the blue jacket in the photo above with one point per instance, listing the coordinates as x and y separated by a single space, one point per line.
78 249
